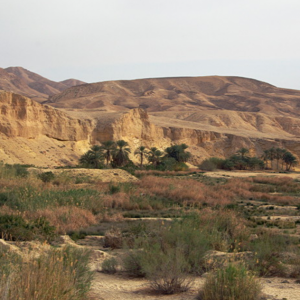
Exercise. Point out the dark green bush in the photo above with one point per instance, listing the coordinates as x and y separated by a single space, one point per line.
208 165
14 227
47 176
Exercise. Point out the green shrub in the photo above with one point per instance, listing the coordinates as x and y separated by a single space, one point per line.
47 176
207 165
14 227
167 270
267 249
109 265
77 235
113 188
232 282
133 263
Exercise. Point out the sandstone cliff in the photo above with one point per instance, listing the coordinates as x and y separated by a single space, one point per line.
36 134
138 129
214 116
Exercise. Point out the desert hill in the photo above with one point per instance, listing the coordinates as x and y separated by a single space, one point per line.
38 134
27 83
214 115
182 94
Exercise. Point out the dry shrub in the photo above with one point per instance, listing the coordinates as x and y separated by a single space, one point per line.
65 218
184 191
273 180
117 200
227 229
59 274
113 238
233 282
5 210
107 217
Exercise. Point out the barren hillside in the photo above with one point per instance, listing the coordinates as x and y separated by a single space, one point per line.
182 94
24 82
215 116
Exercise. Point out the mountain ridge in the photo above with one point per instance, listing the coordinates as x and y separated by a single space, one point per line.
30 84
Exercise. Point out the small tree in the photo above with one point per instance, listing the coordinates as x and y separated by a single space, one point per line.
121 154
265 157
178 152
289 159
154 156
92 158
108 148
142 153
272 153
243 152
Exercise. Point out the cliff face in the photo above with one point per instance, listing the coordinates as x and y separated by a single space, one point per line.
135 128
37 134
22 117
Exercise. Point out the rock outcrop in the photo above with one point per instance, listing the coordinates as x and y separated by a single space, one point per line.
136 128
214 116
37 134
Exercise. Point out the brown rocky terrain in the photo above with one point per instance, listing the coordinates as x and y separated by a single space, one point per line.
215 116
24 82
32 133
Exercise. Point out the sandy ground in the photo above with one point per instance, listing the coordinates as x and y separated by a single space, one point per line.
119 287
102 175
250 174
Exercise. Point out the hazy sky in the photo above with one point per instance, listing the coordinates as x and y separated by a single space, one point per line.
97 40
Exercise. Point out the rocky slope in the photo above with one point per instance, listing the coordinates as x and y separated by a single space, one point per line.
182 94
37 134
215 116
24 82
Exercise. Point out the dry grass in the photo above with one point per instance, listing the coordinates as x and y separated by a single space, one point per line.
65 218
187 192
59 274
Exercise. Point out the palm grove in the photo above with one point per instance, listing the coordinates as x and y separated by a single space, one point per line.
173 158
116 155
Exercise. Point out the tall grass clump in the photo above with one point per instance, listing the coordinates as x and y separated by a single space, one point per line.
232 282
59 274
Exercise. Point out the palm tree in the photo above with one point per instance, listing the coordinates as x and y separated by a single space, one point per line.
121 154
265 157
92 158
289 159
279 152
141 152
272 152
178 152
154 156
243 152
108 149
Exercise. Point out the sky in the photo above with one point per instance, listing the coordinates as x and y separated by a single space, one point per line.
97 40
